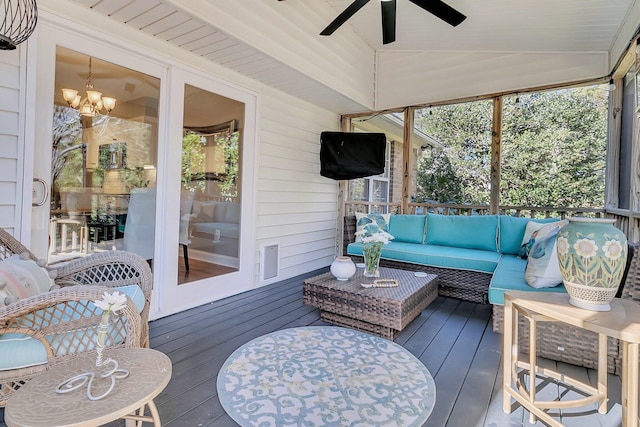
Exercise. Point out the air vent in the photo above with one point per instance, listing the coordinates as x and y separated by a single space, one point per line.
270 261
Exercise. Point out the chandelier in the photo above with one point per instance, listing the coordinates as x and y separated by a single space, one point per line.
93 103
18 21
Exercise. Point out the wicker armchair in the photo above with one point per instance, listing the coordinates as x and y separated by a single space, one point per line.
110 269
65 322
9 246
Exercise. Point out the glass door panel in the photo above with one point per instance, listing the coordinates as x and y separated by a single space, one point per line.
103 165
210 202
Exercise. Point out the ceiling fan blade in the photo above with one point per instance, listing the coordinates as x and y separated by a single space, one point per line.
342 18
388 21
441 10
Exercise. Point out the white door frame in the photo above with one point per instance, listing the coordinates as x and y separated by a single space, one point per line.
178 297
167 297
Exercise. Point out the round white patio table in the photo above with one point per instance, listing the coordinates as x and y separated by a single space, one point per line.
325 375
36 404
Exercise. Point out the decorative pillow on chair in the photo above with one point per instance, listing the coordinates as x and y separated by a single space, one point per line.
543 270
381 220
21 277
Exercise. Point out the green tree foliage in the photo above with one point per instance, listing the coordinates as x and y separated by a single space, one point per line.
66 150
553 150
194 163
230 146
461 172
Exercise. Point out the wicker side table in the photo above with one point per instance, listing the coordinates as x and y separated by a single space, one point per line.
380 311
36 404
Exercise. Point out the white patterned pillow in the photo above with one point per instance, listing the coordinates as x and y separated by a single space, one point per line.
543 269
21 277
381 220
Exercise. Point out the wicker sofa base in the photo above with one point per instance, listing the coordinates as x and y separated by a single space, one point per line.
563 343
461 284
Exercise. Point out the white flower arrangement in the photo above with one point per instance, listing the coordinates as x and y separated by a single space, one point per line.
113 302
371 233
372 241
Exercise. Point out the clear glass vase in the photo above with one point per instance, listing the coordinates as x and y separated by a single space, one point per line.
371 252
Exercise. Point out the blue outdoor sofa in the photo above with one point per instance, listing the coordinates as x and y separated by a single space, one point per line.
476 259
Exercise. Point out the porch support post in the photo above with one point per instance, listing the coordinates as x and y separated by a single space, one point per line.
496 138
345 126
614 126
407 158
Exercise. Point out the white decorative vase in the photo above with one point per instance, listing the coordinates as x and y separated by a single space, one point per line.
343 268
592 255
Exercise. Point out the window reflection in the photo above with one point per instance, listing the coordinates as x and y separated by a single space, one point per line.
102 164
210 198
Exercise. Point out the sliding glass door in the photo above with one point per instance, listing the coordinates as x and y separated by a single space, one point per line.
210 193
159 162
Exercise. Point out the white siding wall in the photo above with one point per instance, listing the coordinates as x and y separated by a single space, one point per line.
296 207
10 152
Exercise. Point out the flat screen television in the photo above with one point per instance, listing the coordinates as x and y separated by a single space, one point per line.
350 155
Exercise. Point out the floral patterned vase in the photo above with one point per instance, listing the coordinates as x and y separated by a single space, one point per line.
371 252
592 254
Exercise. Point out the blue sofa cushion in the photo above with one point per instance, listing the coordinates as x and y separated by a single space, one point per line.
509 276
436 256
407 228
471 232
511 232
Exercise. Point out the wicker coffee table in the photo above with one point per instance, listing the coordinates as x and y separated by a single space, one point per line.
380 311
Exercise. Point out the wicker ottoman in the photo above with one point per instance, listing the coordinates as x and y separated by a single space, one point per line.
380 311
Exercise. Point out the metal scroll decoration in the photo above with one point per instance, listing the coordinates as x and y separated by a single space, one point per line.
110 303
18 21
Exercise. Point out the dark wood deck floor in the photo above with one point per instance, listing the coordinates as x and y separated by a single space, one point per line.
452 338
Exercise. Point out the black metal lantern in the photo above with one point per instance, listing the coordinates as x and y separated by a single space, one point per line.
18 19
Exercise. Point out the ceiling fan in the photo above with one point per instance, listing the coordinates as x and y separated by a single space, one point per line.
435 7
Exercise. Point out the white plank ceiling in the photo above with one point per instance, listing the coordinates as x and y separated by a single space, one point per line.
594 31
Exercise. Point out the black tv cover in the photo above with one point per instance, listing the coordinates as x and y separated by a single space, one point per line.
350 155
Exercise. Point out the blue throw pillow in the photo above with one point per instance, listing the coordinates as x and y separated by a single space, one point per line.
407 228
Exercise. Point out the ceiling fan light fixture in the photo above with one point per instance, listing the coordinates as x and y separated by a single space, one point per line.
436 7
